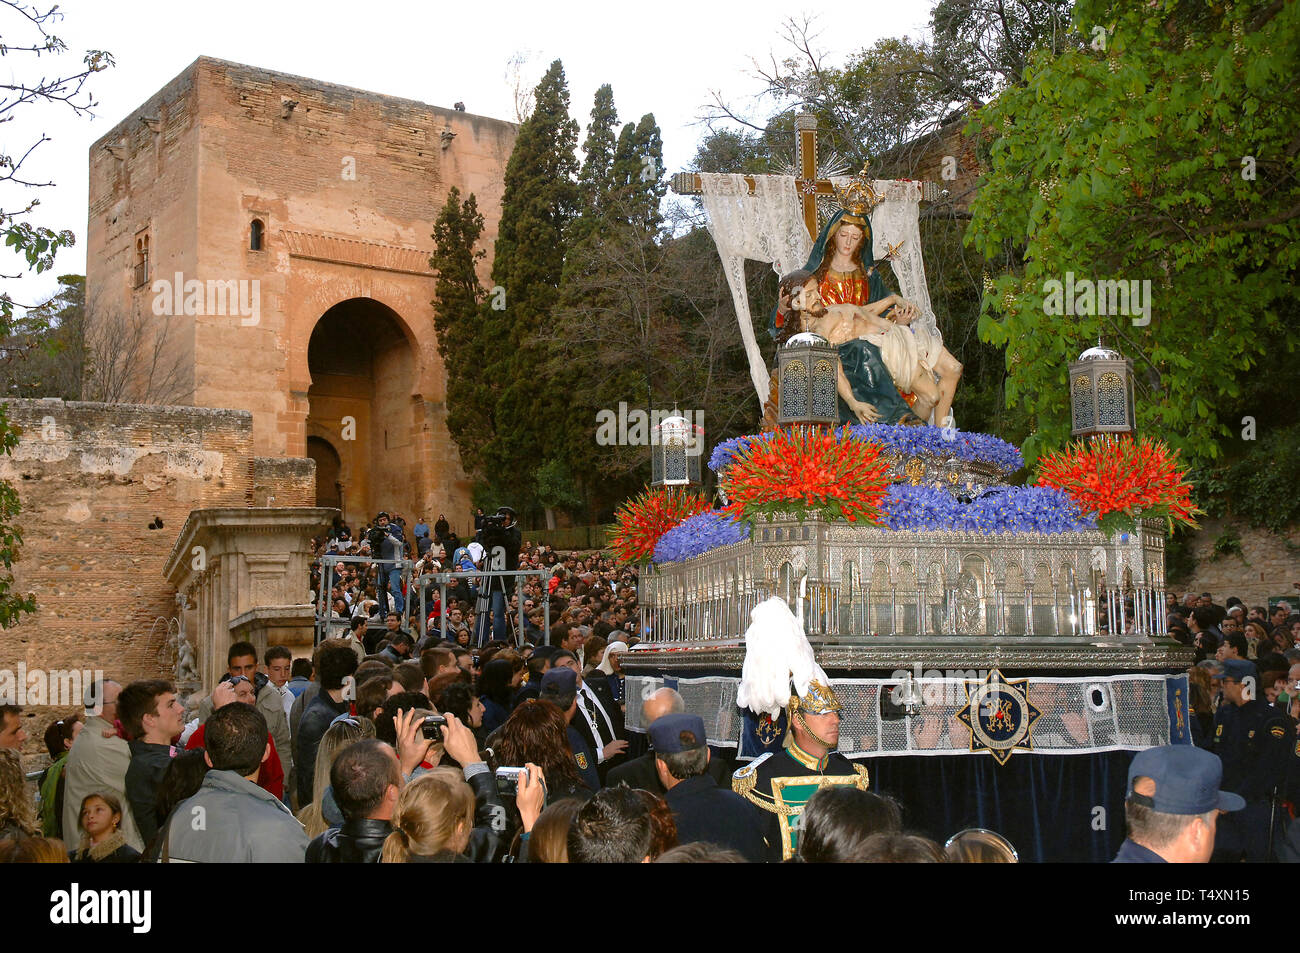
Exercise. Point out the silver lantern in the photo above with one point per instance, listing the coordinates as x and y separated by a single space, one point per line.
1101 393
806 368
675 448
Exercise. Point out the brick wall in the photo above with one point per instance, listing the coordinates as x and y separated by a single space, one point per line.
291 481
1264 568
92 479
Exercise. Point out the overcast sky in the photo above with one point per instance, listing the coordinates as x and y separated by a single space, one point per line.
660 58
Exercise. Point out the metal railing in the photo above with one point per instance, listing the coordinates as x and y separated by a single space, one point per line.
441 579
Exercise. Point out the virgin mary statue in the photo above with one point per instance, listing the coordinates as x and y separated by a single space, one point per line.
836 262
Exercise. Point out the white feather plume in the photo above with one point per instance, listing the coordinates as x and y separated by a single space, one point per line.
776 653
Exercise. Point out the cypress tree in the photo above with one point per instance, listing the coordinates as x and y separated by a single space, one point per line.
595 181
540 200
470 399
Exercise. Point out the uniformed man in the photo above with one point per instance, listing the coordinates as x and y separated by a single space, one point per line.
560 687
1252 740
1173 806
782 783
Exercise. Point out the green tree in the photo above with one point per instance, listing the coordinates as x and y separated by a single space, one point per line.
540 200
45 354
1162 150
638 174
596 180
456 317
37 245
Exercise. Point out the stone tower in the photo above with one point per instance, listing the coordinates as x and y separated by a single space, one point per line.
261 242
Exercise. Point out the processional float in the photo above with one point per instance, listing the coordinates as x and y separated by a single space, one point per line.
999 653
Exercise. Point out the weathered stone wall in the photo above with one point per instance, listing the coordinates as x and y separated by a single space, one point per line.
1264 568
284 481
93 479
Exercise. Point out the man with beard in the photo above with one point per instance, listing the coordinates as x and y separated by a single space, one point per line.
867 391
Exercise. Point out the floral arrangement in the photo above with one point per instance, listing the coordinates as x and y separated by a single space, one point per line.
806 470
903 442
698 534
1016 509
640 522
1119 480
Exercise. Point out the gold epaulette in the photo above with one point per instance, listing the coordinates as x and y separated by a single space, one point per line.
745 782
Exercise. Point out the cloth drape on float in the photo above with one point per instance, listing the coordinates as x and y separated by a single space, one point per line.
767 225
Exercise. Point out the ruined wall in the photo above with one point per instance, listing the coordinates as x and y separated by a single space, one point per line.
93 479
284 481
1263 568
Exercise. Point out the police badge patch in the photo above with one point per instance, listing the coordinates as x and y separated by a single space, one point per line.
999 716
581 758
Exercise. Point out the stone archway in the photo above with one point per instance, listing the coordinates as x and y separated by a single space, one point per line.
329 472
362 405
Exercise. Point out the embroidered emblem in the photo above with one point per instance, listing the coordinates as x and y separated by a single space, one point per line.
582 760
1278 731
999 716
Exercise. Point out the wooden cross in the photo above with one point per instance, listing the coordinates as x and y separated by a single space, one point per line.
806 184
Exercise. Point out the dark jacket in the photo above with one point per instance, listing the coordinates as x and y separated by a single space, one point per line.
640 773
494 715
144 774
315 721
1131 852
705 812
356 842
124 854
583 756
600 688
442 857
490 838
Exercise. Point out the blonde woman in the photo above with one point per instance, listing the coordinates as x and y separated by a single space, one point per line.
322 813
434 821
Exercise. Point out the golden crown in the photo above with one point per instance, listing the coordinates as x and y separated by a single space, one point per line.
858 197
818 700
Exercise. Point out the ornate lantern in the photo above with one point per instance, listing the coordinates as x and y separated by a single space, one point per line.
806 368
675 449
1101 393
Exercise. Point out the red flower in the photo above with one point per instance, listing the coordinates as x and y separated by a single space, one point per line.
807 469
1123 479
640 522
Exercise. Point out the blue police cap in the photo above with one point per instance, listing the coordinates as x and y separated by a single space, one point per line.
1187 781
560 681
1239 669
673 734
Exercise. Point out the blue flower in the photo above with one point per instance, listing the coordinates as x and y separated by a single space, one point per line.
1016 509
905 442
698 534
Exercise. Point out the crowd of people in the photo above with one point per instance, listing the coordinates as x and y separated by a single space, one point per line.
403 763
1244 697
364 589
386 748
